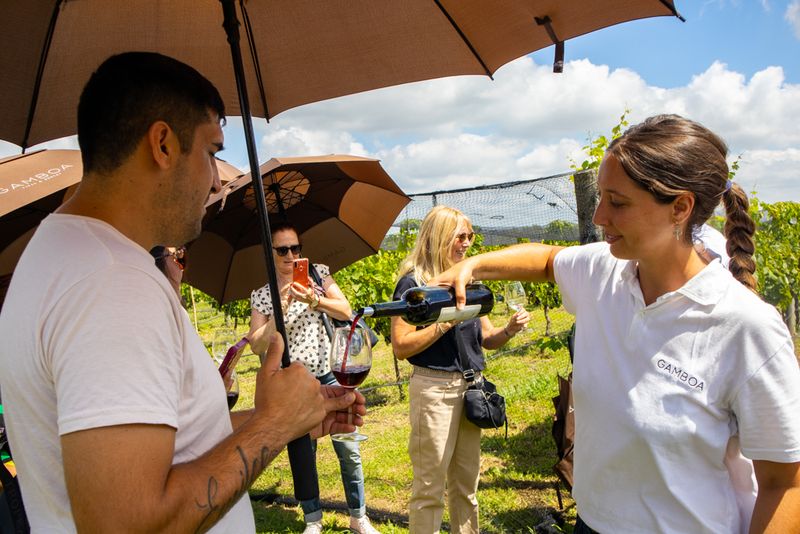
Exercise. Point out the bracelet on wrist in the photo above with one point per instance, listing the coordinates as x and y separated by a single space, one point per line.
314 301
440 328
505 331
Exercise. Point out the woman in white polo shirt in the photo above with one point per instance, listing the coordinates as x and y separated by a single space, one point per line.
685 381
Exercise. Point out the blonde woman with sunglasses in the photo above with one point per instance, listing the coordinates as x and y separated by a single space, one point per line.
444 447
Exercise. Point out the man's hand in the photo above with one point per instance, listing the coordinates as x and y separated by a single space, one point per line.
341 421
291 398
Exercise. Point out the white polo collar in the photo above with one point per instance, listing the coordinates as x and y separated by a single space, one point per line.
705 288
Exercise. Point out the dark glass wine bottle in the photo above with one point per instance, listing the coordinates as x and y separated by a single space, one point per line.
427 305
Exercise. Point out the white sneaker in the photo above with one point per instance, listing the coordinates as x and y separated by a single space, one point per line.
315 527
361 525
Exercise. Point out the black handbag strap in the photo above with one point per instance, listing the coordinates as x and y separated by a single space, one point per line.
466 368
326 322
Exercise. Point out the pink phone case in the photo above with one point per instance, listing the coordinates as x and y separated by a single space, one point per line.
232 356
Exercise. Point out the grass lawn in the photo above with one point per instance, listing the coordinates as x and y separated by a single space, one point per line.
517 482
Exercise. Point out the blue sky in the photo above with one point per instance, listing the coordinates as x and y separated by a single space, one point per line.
747 35
732 66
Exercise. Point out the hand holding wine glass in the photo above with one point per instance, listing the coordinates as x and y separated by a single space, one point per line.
351 360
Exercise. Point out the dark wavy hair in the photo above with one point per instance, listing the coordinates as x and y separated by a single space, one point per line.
158 254
131 91
668 155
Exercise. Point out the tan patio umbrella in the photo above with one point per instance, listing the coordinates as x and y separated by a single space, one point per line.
227 172
302 50
341 205
33 185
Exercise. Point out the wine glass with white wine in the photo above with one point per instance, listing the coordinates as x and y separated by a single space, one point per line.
515 296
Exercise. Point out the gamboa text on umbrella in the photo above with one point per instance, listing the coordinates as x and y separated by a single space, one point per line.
36 179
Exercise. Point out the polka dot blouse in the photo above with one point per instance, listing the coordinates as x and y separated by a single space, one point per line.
308 341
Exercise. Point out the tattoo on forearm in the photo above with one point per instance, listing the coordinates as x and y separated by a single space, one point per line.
210 508
247 475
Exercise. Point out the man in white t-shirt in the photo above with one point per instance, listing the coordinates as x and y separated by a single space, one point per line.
117 416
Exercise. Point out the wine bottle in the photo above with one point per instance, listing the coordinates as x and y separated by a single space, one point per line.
435 304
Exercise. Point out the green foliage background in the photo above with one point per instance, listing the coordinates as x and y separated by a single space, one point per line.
777 255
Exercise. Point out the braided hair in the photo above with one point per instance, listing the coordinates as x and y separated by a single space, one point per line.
669 155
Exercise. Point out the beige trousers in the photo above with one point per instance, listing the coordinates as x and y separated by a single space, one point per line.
443 446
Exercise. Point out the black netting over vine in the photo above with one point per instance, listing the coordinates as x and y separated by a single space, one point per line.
538 209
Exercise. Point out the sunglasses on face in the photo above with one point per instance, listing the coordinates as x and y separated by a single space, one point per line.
464 236
283 251
178 256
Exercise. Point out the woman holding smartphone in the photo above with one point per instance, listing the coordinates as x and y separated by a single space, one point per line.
303 303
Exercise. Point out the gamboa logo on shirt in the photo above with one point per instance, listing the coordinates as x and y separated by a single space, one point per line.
677 373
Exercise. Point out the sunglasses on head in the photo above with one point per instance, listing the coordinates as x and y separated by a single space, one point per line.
283 251
178 256
464 236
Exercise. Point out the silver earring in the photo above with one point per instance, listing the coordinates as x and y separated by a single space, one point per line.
677 232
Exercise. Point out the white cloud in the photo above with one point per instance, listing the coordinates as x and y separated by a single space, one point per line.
529 122
296 141
453 162
792 15
459 132
773 174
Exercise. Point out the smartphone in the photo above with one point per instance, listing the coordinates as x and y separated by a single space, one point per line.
300 272
232 356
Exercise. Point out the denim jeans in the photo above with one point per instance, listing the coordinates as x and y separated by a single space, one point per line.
352 474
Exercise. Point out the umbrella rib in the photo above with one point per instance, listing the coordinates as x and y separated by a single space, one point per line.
671 7
248 30
40 73
464 38
558 61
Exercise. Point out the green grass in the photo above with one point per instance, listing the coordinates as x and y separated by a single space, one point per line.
517 482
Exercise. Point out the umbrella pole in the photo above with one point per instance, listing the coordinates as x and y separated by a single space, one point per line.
301 455
194 308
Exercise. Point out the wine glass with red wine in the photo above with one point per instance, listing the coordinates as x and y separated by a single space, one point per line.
351 360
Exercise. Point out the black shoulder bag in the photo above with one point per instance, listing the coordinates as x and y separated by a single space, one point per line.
326 321
483 405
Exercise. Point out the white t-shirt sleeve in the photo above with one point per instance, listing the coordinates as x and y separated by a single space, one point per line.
106 369
572 268
767 409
